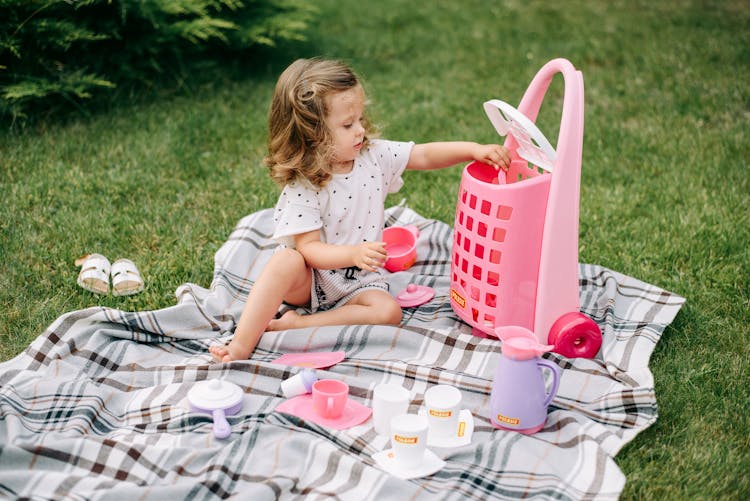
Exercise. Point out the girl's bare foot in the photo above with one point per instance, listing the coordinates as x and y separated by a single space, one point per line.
288 320
228 353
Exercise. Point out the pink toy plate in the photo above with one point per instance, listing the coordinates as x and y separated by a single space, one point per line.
302 407
415 295
314 360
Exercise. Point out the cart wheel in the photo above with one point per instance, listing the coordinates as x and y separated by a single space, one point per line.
575 336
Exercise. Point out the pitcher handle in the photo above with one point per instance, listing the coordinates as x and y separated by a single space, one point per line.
555 378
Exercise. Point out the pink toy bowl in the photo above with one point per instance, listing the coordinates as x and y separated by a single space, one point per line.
401 246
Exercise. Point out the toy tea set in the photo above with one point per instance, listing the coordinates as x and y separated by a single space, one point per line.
514 276
441 423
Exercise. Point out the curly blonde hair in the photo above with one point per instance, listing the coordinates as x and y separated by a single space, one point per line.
299 142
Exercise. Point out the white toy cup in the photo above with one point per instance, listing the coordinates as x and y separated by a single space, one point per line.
388 400
442 403
408 439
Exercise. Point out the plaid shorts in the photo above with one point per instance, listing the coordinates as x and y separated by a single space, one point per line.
333 288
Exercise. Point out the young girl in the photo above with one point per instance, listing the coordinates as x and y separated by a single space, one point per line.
329 217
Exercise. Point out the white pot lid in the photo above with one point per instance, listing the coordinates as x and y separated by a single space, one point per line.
533 146
215 394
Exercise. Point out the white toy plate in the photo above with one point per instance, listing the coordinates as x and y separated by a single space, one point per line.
431 463
533 146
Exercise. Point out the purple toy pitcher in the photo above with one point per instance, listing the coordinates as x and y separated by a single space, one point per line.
519 399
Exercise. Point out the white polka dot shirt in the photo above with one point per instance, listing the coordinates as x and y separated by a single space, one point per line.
349 209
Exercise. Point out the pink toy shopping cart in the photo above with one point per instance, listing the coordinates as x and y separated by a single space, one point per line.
515 243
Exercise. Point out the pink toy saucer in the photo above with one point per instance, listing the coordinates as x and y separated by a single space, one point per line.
314 360
415 295
302 407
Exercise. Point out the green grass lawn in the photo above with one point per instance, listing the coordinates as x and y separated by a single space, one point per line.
665 190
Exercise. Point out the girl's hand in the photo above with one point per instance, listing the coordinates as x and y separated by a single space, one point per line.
493 154
369 256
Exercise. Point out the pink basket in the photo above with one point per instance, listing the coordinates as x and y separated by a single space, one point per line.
515 244
496 246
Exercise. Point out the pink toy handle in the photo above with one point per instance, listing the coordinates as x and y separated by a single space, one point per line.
557 286
555 379
572 113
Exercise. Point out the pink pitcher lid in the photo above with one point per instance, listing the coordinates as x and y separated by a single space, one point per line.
520 343
415 295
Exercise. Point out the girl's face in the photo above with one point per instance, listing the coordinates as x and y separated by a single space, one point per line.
344 121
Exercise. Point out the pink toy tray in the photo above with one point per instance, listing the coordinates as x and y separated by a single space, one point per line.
313 360
302 407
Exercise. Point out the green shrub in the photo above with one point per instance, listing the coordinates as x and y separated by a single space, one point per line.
67 50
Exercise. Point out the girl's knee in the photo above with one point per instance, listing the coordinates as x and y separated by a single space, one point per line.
288 270
287 259
391 312
382 308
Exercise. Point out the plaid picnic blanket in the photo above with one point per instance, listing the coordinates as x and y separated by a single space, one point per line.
96 407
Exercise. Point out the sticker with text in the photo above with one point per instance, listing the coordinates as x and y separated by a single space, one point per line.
461 428
440 414
458 298
508 420
405 440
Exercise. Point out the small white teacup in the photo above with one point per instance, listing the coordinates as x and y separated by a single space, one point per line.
408 439
443 404
388 400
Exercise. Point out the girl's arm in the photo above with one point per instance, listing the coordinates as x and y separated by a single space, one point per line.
444 154
322 256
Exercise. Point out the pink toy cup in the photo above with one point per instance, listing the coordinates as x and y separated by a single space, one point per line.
401 246
329 397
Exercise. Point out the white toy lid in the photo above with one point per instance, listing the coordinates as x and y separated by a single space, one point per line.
214 394
533 146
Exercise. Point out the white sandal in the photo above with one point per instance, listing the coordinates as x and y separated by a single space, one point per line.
126 279
94 275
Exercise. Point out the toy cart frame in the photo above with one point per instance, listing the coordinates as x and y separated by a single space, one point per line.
515 244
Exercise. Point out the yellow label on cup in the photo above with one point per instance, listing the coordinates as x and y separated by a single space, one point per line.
440 414
405 440
461 428
507 420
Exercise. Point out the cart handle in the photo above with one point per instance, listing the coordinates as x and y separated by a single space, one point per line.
570 137
557 283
